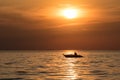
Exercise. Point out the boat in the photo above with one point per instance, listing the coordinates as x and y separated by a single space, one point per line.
75 55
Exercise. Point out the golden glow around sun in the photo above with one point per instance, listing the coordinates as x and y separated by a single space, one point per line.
70 13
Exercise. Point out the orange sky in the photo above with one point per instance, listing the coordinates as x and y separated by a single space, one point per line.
36 24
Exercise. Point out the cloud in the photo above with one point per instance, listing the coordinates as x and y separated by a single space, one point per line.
14 17
21 29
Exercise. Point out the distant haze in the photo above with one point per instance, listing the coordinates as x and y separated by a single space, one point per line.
35 24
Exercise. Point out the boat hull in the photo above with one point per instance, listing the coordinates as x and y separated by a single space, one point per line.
73 56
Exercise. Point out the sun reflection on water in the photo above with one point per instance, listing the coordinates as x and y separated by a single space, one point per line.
69 51
71 71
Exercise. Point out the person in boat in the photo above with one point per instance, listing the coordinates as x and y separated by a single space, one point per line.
75 53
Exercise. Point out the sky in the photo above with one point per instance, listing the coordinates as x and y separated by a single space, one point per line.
39 25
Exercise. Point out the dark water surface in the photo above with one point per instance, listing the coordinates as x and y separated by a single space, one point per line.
52 65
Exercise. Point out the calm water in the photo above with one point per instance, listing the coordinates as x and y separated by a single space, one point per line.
52 65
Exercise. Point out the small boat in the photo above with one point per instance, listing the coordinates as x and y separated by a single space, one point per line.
75 55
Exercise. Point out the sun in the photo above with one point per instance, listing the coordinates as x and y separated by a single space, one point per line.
70 13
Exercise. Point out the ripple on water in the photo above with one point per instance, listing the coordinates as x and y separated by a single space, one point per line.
9 63
25 73
96 61
99 72
98 79
111 66
21 72
11 79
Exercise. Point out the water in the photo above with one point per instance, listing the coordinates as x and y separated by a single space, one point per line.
52 65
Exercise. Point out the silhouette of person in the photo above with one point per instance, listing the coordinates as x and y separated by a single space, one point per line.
75 53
